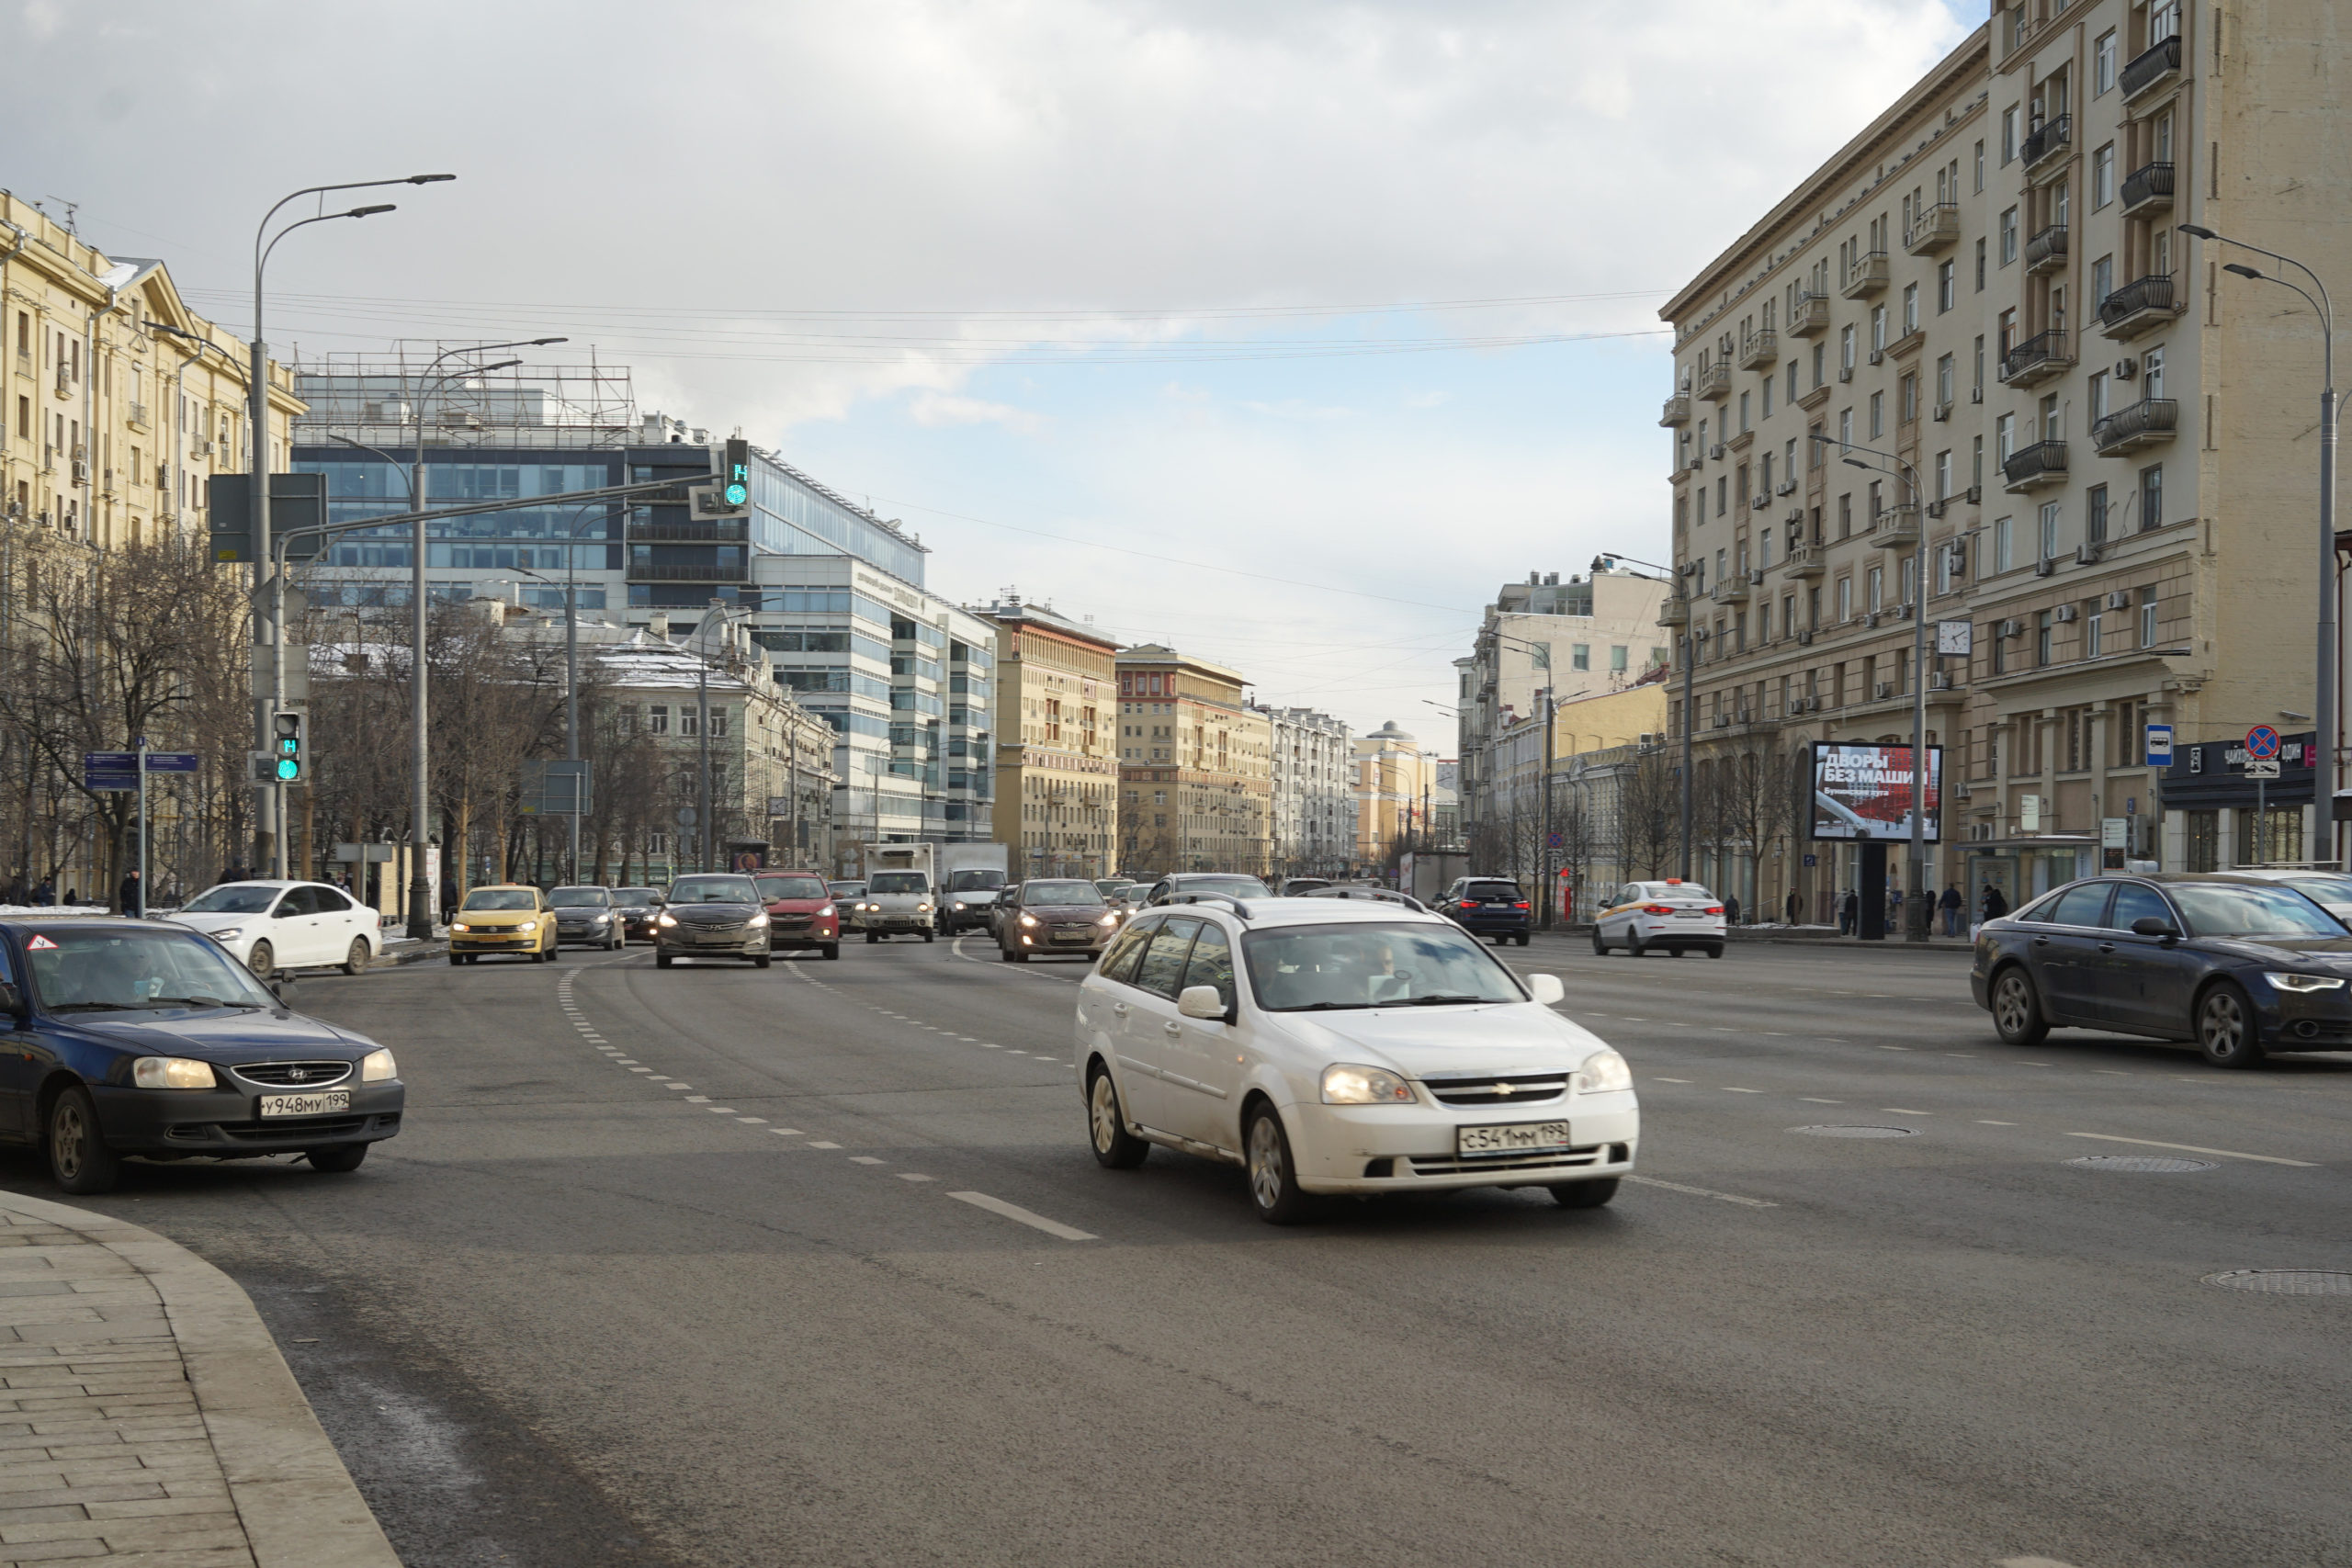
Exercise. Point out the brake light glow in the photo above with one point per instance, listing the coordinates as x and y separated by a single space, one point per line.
1657 908
1714 908
1518 906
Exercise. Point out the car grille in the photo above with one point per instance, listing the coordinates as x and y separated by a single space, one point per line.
294 1075
710 928
1530 1089
1550 1159
278 1127
791 922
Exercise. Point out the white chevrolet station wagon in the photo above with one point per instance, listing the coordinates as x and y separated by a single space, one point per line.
1336 1048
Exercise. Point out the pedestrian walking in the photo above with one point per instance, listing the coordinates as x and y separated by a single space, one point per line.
1952 905
133 902
1795 906
1731 909
1849 913
73 897
46 894
1993 904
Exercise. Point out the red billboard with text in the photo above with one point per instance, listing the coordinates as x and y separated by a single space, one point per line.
1863 792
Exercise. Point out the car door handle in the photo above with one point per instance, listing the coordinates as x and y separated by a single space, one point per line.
1120 1008
2106 947
1173 1028
2041 942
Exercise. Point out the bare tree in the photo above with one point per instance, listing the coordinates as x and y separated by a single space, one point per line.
1649 807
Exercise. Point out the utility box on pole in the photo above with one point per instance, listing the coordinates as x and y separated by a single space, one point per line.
297 502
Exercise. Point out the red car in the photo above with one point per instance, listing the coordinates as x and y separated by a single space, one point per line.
800 912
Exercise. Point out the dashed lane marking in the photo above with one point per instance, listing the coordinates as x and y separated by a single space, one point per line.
866 1159
786 1132
1024 1216
1811 1100
912 1176
1728 1089
1670 1080
1905 1111
1702 1193
822 1144
1988 1121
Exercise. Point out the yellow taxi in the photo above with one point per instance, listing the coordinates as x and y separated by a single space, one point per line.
503 918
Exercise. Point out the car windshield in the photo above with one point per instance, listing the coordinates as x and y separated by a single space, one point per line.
581 897
1061 893
713 890
898 882
2325 889
2221 908
1509 890
1231 887
501 898
979 881
1368 963
114 971
633 896
791 887
846 889
230 898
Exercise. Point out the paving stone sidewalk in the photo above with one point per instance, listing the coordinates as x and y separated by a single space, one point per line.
146 1416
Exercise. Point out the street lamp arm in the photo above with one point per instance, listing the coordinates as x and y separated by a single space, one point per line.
388 458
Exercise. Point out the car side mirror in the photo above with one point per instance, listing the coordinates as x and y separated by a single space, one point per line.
279 984
12 1001
2153 925
1201 1001
1546 988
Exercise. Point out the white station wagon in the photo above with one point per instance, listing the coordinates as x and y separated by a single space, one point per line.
1335 1048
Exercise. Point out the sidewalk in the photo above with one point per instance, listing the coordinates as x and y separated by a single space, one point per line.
146 1416
1824 938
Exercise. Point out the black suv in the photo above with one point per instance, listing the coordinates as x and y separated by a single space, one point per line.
1486 906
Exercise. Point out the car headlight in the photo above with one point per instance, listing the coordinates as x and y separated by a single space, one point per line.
922 909
527 927
1028 919
600 921
1603 1072
759 919
377 1066
826 913
232 934
1108 920
666 920
454 925
861 908
959 903
2305 982
171 1072
1346 1085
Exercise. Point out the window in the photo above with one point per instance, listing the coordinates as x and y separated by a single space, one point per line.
2092 625
689 720
1944 568
1947 286
657 719
1722 494
1580 656
2103 176
2152 369
2010 135
2051 428
1907 391
1743 413
2008 329
1878 328
1766 411
2152 497
2048 539
2004 438
2103 63
1910 309
1977 464
1980 263
1820 363
2102 280
1617 657
2147 618
1943 473
1878 415
1980 164
2095 514
1846 515
2097 398
1845 428
1846 351
718 723
2003 558
2042 637
1946 371
1845 598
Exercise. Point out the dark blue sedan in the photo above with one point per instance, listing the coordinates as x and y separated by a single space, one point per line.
2240 965
125 1037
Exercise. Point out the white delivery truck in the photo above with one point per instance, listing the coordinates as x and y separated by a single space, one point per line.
970 878
900 879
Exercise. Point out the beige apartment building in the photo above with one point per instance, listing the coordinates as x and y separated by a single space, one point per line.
1056 748
2098 448
1195 767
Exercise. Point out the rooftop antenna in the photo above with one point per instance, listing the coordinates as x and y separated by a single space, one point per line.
72 207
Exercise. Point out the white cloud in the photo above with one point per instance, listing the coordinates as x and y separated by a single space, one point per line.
935 408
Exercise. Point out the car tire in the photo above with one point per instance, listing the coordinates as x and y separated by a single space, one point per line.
2017 1017
2227 1032
1273 1181
79 1160
929 935
1599 948
1716 951
760 961
262 961
1115 1148
1584 1194
1016 955
456 959
338 1159
1523 939
1635 947
832 950
873 937
354 962
660 961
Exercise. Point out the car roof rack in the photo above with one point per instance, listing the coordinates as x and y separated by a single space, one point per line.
1227 899
1376 895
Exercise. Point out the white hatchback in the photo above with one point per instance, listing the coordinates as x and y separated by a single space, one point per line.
1335 1048
1680 917
272 926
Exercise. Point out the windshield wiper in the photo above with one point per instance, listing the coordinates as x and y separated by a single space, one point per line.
199 1002
1445 999
99 1007
1330 1007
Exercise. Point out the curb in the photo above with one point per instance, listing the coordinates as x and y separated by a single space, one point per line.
293 1498
416 953
1738 937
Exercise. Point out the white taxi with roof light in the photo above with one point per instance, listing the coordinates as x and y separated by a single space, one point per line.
1331 1046
1680 917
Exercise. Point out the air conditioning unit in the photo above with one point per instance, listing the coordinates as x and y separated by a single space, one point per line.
1975 494
81 472
1975 394
1938 680
1940 412
1870 619
1649 738
2126 368
1903 610
1723 722
1878 356
1796 514
2012 629
1786 487
1756 577
1958 552
1883 689
201 446
2067 613
1697 462
1804 639
2119 600
1936 508
2088 554
1845 372
1716 451
1758 502
64 382
2044 567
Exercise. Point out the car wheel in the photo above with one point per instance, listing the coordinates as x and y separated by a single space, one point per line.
1585 1194
1115 1146
1523 939
929 935
1716 951
336 1158
832 950
660 961
78 1156
1600 947
472 957
2226 1031
2017 1009
262 961
1016 955
1273 1181
873 937
456 959
760 961
1634 947
355 960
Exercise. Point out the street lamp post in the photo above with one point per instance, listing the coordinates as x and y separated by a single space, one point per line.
268 814
2328 767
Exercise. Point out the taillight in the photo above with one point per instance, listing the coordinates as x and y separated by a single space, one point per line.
1518 906
1657 908
1714 908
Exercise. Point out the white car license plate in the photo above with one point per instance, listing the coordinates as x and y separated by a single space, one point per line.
318 1103
1513 1138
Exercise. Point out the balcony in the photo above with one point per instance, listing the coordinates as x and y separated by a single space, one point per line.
1932 228
1678 412
2055 137
1758 351
2147 187
1810 316
2137 307
1732 590
2046 251
1866 276
1674 613
689 532
1897 528
2151 68
2147 422
2037 359
2032 467
137 416
1806 560
1714 382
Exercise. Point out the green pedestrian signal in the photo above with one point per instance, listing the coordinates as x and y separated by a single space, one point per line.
736 484
287 747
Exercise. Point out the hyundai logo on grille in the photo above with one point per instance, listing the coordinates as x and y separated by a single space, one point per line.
298 1074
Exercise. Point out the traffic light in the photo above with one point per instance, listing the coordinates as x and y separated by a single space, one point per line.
287 746
735 480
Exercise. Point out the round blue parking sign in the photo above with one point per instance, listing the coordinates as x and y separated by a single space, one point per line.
2262 742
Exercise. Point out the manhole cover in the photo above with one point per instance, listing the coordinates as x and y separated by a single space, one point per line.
1856 1131
2139 1162
2286 1281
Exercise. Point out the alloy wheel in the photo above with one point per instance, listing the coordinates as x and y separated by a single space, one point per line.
2011 1006
68 1137
1102 1112
1267 1177
2224 1033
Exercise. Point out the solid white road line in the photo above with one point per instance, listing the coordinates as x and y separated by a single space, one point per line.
2196 1149
1701 1191
1015 1212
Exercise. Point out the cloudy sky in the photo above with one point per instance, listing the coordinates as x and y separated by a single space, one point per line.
1285 331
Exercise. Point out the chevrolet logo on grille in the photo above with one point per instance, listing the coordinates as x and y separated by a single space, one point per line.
1504 1089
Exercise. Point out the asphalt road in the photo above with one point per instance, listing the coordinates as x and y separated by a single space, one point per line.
713 1266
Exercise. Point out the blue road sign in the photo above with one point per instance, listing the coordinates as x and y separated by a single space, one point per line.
109 769
2262 743
171 761
2160 745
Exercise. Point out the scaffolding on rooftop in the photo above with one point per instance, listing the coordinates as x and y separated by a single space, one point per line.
375 399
